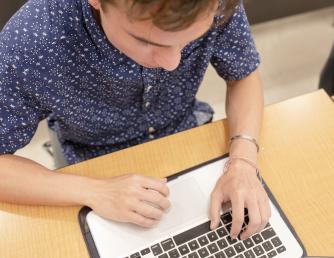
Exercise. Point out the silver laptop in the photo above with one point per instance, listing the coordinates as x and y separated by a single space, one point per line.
185 230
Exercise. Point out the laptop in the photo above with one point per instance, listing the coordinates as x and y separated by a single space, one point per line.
185 230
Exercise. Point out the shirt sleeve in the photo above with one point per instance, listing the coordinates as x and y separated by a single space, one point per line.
20 111
235 55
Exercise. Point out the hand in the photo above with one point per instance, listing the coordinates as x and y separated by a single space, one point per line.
241 186
130 198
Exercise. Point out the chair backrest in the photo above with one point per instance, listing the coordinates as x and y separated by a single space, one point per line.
7 9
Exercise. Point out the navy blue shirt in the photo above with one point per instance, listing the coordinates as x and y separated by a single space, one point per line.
56 63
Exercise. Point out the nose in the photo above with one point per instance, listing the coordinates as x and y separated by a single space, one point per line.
168 58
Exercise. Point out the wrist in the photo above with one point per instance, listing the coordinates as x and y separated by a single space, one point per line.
71 189
240 148
246 161
90 186
241 165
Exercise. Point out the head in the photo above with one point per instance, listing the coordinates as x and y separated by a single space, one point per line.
153 32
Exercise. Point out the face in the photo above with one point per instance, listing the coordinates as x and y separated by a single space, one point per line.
143 42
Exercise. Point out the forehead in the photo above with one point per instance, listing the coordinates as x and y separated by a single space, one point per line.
147 30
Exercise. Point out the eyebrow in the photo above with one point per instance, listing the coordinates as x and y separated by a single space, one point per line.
161 45
148 41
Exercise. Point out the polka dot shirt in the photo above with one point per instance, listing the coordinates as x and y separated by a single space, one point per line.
56 63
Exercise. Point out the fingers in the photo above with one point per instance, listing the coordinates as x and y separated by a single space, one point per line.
265 212
237 215
141 220
155 198
147 210
215 208
158 185
254 218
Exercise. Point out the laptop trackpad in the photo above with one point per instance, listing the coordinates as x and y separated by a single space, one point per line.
188 204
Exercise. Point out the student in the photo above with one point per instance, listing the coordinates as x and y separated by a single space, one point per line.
112 74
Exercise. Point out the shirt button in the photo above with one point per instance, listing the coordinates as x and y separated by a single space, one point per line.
148 88
151 130
147 104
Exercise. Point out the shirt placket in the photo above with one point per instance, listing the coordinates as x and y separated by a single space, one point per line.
149 81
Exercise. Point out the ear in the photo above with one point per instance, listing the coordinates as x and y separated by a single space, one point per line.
96 4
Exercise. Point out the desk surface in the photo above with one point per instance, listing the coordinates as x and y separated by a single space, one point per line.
297 162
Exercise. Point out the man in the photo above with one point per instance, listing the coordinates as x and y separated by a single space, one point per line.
112 74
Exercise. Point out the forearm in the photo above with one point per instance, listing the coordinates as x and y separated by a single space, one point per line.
23 181
244 108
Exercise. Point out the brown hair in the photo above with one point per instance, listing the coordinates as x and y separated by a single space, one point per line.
174 15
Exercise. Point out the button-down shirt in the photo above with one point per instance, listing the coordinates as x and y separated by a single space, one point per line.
56 63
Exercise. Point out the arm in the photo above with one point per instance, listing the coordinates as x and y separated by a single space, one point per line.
244 108
23 181
123 198
240 184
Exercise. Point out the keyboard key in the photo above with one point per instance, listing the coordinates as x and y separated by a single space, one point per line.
222 243
248 243
203 252
239 256
258 250
272 254
174 253
257 239
213 248
220 255
226 218
167 244
184 249
276 241
163 256
193 245
145 251
193 255
228 227
268 225
230 252
249 254
203 240
231 241
212 236
192 233
221 232
156 249
268 233
281 249
263 256
136 255
267 246
241 231
239 247
247 220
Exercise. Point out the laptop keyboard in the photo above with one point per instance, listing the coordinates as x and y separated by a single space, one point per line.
201 242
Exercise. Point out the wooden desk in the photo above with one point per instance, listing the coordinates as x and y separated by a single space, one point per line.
297 162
